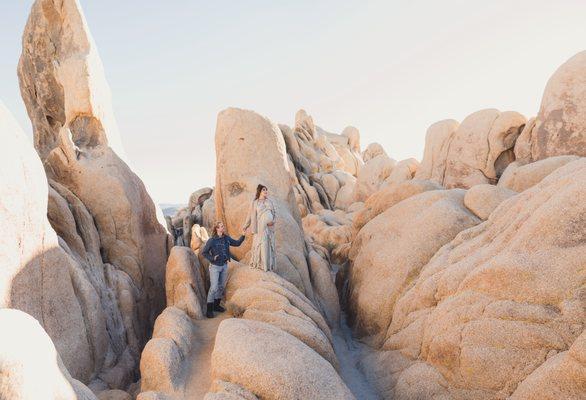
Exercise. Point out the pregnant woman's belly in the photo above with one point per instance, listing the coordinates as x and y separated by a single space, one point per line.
266 218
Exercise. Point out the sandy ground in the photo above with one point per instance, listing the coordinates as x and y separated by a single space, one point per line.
199 380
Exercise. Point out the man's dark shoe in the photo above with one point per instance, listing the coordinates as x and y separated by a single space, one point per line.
217 306
210 310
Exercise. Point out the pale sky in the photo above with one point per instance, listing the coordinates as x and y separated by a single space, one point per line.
390 68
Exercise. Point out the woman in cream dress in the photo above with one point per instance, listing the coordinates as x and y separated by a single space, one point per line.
261 221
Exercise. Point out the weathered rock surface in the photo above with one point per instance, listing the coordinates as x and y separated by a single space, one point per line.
118 246
114 395
250 354
323 165
404 171
390 251
163 360
561 376
560 126
250 150
520 177
483 199
30 367
435 155
372 175
329 229
199 197
323 280
222 390
373 150
387 197
265 297
350 150
184 282
36 275
150 395
474 152
488 314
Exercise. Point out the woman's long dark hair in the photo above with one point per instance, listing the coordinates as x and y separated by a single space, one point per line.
259 189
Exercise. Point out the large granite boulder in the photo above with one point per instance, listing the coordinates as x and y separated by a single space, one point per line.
250 354
184 282
164 360
483 199
250 150
435 154
560 127
372 175
388 196
30 367
390 251
252 294
474 152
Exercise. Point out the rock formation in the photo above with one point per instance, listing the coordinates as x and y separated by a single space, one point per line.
372 175
250 150
483 199
559 128
166 357
519 177
30 366
184 282
38 276
493 305
265 372
476 151
97 285
460 277
383 260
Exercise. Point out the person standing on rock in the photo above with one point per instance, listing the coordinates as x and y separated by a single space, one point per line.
261 220
217 251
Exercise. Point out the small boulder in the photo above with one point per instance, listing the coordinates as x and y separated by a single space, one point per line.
482 200
249 354
372 150
519 177
161 366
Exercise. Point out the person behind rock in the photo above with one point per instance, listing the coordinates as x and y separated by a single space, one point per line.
261 220
217 251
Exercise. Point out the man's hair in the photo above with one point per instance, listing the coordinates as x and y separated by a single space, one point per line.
215 229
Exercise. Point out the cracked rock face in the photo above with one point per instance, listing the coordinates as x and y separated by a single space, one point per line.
105 218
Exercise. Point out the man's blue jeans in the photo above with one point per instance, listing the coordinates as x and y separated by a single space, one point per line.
218 277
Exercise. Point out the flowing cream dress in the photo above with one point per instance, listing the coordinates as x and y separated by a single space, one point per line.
263 256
